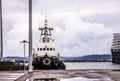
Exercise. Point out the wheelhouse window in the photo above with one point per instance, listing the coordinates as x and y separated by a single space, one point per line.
47 39
43 39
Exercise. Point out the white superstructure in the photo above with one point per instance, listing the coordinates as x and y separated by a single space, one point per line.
116 41
45 45
46 57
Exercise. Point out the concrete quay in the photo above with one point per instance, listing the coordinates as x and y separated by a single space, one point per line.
62 75
93 75
10 75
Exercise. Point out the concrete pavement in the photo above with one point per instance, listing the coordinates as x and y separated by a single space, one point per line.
62 75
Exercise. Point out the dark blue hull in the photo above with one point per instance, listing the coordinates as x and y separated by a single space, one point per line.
47 63
115 56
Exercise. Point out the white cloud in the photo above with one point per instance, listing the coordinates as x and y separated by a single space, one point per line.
74 37
80 38
82 7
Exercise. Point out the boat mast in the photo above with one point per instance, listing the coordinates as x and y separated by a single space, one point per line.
46 32
1 33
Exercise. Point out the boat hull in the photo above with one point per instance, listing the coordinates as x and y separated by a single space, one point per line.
115 56
46 62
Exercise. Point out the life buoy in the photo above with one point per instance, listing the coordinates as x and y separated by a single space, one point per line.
46 61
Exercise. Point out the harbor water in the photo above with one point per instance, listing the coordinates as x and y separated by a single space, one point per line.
91 65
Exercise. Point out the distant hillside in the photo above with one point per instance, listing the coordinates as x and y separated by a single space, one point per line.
95 57
87 58
16 58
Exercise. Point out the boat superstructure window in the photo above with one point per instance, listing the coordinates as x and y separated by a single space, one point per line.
46 49
43 49
116 50
38 49
46 40
53 49
43 40
50 49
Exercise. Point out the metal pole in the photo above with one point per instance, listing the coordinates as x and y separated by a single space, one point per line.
1 32
30 35
24 43
24 57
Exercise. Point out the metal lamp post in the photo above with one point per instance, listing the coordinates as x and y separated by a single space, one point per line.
24 43
1 33
30 35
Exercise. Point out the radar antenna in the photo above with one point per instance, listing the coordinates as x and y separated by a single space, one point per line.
45 31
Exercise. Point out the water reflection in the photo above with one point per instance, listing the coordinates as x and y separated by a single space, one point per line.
46 79
43 79
72 79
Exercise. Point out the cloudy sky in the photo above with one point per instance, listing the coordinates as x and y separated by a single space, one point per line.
81 27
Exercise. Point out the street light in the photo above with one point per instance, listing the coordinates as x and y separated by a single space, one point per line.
30 35
1 33
24 42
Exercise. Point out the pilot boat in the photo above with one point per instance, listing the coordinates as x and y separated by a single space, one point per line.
46 56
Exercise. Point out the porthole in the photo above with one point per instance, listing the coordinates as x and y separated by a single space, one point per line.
44 49
47 49
40 49
54 49
50 49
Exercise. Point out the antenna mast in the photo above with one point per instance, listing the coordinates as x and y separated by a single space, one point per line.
45 31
